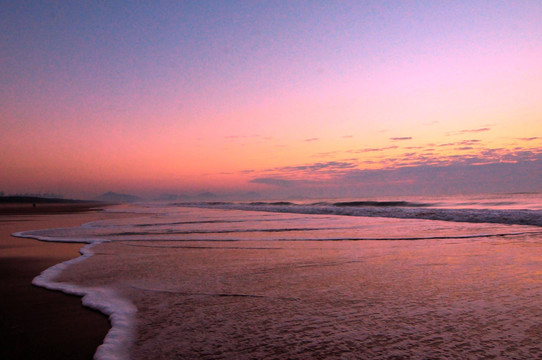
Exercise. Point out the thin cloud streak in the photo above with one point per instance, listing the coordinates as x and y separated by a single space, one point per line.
529 138
468 131
474 130
366 150
273 181
401 138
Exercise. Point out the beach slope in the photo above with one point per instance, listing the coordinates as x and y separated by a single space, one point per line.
36 323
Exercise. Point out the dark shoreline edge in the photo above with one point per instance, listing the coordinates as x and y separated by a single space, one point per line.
20 205
37 323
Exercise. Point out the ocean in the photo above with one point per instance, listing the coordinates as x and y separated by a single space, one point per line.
391 278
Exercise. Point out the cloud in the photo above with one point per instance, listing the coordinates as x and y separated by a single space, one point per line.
320 166
468 131
473 176
401 138
461 143
478 170
325 154
347 136
529 138
429 123
466 154
365 150
474 130
468 142
273 181
314 171
311 139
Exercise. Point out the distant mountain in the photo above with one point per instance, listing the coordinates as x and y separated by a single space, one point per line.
172 197
206 195
118 198
251 195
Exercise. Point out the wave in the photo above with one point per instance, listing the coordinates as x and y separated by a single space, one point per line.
225 231
120 311
200 222
390 209
130 242
276 203
381 204
189 223
169 243
418 238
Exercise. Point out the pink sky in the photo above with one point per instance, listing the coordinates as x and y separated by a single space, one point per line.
278 98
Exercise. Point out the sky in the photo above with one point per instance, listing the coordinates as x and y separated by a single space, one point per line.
270 98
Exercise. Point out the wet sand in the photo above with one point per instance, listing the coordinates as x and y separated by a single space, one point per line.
36 323
233 289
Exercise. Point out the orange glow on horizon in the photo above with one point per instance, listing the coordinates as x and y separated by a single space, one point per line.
203 106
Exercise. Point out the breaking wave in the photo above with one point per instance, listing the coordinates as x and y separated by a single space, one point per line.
388 209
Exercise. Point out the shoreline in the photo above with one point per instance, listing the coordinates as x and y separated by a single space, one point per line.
37 323
49 208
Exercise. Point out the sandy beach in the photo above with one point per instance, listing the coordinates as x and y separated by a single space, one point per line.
38 323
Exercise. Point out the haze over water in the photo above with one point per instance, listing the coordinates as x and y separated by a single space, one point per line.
219 283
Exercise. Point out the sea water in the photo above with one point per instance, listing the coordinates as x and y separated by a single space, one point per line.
418 278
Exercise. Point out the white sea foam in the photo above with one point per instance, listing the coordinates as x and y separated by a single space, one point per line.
120 311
